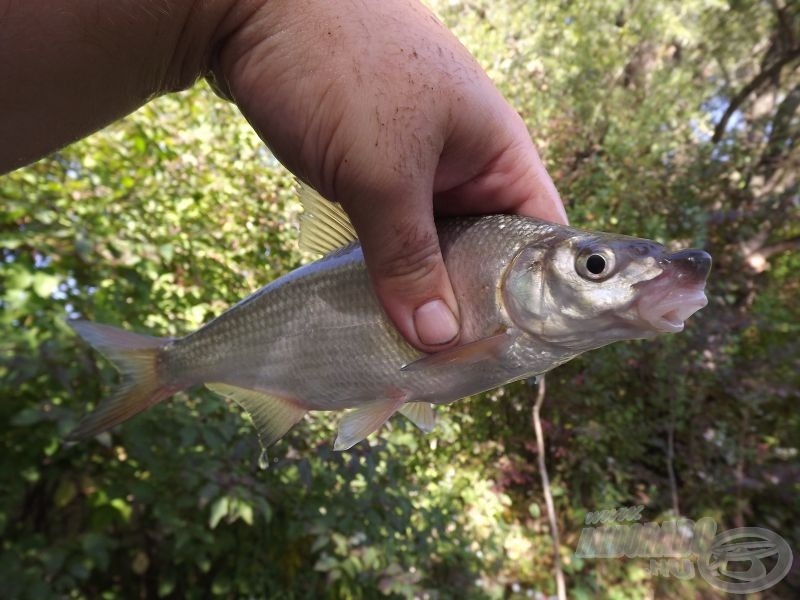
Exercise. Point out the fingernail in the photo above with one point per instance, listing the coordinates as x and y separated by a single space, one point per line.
435 323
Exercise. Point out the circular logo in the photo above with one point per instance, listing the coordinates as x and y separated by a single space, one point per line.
733 564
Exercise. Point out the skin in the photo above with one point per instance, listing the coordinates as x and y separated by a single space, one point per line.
374 103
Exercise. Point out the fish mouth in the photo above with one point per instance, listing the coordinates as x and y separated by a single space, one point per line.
679 292
666 306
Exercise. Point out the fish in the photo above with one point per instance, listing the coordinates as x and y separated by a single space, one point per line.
532 295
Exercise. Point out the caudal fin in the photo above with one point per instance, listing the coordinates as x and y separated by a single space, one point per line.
136 357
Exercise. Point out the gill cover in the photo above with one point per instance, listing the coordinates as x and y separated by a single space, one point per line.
523 289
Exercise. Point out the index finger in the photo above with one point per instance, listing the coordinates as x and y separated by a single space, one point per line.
514 182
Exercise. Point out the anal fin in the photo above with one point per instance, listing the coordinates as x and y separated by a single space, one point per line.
420 414
272 415
359 423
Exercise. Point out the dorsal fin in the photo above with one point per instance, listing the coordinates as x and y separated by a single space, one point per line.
324 226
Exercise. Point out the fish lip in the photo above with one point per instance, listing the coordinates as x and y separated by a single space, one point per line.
690 265
666 302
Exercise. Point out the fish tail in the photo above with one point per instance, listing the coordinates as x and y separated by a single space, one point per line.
137 358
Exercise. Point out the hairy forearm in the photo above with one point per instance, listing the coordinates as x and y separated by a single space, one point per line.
69 67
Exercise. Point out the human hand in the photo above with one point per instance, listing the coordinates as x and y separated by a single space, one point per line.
379 107
375 104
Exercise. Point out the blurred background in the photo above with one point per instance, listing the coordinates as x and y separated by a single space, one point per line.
676 121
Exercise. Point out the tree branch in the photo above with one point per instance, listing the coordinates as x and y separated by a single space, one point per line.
751 87
781 132
673 483
758 258
561 588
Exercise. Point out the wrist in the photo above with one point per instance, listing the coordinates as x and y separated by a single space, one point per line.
206 27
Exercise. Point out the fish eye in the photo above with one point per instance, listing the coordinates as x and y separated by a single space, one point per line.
595 265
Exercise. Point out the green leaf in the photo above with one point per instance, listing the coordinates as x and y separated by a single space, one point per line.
65 493
167 251
122 507
44 284
219 509
239 509
27 417
140 563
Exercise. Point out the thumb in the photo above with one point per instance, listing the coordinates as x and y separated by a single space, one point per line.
404 260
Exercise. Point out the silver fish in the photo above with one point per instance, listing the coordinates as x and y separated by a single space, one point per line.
532 295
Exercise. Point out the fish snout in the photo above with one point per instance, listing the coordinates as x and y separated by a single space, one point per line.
689 265
675 295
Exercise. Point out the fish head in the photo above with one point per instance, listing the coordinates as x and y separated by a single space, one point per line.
584 290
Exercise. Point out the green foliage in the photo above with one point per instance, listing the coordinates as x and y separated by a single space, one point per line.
164 219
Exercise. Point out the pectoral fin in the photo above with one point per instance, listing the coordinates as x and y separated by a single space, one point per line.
359 423
273 416
491 347
420 414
